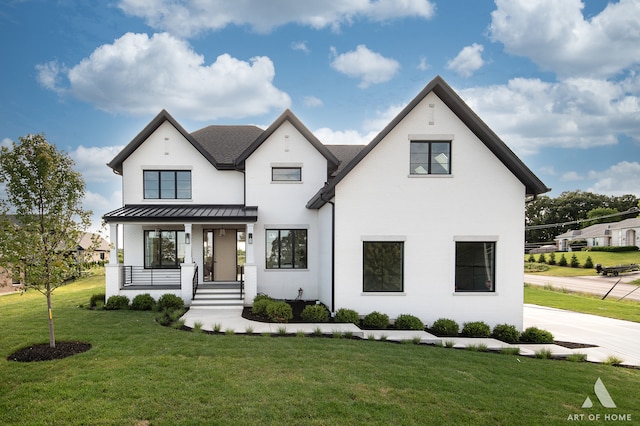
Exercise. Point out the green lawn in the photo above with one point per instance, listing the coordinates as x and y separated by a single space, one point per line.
588 304
603 258
141 373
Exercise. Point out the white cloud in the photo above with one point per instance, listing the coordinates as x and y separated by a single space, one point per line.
6 142
468 61
92 162
301 46
99 205
141 75
49 75
556 36
343 137
368 66
312 101
530 114
382 118
619 179
423 65
188 18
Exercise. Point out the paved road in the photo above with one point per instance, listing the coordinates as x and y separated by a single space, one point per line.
597 285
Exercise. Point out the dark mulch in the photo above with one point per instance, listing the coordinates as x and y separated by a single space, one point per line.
572 345
42 352
297 306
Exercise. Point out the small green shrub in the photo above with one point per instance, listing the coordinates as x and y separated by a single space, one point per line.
170 301
260 306
563 260
347 316
117 302
552 258
408 322
279 311
143 302
315 313
574 261
536 335
535 267
375 320
588 264
544 354
445 327
506 333
531 258
97 299
542 258
476 329
262 297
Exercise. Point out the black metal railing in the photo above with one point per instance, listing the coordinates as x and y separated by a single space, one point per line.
194 282
240 271
141 276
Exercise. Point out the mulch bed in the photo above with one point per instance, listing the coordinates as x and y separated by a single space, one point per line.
297 306
42 352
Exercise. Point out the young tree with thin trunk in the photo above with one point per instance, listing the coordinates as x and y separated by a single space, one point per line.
41 215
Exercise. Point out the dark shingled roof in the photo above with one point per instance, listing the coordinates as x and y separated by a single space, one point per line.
344 154
226 143
182 212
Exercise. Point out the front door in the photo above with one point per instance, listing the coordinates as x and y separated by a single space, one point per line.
220 255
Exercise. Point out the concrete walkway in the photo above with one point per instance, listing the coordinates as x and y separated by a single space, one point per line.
613 337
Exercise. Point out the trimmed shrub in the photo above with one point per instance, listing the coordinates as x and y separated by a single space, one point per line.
279 311
552 258
531 258
315 313
143 302
536 335
262 297
574 261
408 322
117 302
588 264
476 329
506 333
445 327
170 301
260 305
614 249
347 316
97 299
563 260
375 320
542 258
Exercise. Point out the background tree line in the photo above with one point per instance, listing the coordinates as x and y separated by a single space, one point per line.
571 206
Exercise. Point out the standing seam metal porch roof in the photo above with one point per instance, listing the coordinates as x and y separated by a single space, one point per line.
182 213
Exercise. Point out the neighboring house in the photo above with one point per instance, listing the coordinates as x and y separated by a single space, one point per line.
427 219
623 233
99 248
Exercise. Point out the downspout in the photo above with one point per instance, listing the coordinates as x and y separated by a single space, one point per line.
333 255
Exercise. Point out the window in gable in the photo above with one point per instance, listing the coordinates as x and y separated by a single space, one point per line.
286 174
430 158
167 184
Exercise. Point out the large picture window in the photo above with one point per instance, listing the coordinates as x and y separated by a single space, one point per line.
430 158
286 249
383 266
163 249
475 266
167 184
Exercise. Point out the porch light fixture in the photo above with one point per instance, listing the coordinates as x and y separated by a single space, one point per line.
222 232
187 238
250 238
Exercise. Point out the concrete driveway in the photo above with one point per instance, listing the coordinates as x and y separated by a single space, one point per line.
612 337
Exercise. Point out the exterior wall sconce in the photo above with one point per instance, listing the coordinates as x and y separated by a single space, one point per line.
250 238
222 232
187 238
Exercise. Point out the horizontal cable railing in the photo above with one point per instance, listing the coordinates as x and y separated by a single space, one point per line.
141 276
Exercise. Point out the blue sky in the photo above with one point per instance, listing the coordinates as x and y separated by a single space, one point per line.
558 81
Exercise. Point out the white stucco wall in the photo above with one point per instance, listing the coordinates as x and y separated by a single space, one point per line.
281 205
481 199
167 149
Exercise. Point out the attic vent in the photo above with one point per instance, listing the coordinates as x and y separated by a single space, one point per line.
431 114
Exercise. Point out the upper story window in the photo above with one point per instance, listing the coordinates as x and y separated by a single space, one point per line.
167 184
286 174
430 158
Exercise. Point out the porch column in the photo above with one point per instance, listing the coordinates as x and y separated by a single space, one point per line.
188 255
250 268
113 237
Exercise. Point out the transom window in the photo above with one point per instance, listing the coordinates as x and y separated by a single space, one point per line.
167 184
163 249
430 158
383 266
286 249
286 174
475 266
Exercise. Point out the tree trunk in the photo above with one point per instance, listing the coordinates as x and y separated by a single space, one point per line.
52 339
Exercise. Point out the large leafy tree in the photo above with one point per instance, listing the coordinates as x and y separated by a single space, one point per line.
41 215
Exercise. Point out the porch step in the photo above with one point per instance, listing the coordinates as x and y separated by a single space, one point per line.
225 295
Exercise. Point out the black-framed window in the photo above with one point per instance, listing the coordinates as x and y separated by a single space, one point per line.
382 266
163 249
430 158
475 266
286 174
286 248
167 184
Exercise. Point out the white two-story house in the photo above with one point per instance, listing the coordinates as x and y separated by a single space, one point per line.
427 219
